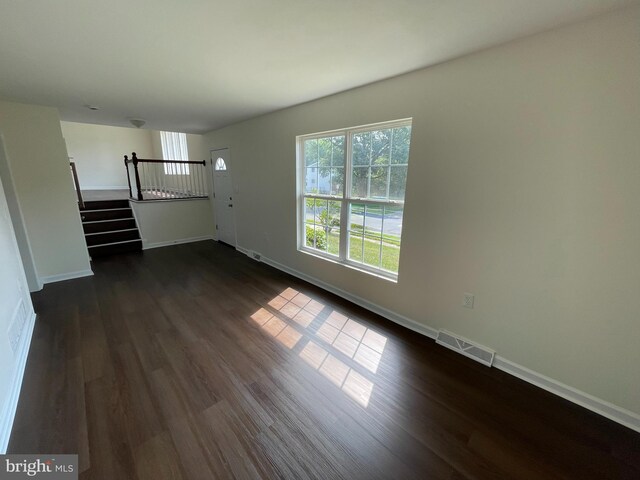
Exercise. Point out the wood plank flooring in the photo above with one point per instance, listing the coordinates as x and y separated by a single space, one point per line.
195 362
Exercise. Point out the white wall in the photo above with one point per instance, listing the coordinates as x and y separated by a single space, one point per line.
16 318
167 222
523 189
39 165
98 152
17 221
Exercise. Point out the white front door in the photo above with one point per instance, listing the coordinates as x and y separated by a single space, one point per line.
223 197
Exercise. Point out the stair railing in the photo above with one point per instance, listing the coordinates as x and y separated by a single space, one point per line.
165 179
76 183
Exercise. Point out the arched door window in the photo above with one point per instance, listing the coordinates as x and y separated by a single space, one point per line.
220 165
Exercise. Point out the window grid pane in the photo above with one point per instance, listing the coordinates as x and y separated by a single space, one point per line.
376 168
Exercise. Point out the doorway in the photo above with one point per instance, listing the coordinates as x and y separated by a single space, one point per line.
223 197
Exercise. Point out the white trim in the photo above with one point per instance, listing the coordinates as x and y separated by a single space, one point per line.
65 276
606 409
602 407
360 267
108 187
347 200
402 122
11 404
393 316
147 246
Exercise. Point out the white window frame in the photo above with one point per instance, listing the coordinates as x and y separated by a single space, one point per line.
174 144
346 199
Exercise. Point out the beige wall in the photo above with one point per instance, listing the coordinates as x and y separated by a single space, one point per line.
167 222
39 165
523 189
17 221
98 152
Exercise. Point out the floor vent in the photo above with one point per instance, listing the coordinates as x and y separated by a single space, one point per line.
469 349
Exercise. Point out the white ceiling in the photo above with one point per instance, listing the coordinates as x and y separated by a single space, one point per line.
196 65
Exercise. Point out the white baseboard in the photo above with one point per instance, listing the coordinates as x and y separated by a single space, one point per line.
386 313
65 276
11 404
109 187
602 407
147 246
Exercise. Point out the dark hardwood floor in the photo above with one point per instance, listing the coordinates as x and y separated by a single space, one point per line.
196 362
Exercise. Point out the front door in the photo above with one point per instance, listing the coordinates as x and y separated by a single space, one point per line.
223 197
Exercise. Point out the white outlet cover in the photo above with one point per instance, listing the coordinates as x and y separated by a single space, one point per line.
467 301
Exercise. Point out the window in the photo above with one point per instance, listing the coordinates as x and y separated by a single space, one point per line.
351 200
174 147
220 165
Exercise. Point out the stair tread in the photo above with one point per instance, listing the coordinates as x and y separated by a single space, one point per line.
105 209
108 220
116 243
104 204
110 228
112 231
107 214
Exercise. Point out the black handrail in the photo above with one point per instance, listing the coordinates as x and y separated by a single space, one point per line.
135 161
126 160
151 160
148 160
77 184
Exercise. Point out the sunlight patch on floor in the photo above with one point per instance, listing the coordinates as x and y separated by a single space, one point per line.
295 314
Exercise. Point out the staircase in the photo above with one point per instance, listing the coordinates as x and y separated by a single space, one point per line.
109 227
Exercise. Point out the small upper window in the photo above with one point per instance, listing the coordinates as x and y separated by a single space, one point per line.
174 147
220 165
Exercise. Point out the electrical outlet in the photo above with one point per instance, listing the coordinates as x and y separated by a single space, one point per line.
467 301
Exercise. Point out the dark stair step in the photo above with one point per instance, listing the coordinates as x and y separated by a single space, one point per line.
95 215
111 237
102 204
110 249
109 225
